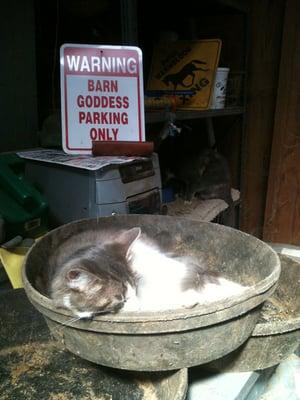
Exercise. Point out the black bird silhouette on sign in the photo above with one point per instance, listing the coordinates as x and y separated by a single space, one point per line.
187 70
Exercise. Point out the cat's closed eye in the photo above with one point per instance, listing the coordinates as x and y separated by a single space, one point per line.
73 274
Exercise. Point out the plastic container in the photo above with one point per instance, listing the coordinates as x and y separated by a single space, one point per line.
167 195
219 94
22 207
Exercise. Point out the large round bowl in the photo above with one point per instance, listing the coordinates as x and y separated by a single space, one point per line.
163 340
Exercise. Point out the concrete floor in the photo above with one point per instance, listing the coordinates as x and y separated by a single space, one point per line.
280 382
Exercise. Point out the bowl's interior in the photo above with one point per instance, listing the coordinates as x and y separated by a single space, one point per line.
236 255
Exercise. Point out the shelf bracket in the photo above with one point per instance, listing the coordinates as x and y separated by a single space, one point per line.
210 131
129 24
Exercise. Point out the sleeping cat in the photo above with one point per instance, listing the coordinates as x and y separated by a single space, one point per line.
127 271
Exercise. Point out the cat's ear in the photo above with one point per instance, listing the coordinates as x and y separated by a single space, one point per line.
78 279
127 239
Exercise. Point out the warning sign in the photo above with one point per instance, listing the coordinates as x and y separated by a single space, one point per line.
185 69
102 95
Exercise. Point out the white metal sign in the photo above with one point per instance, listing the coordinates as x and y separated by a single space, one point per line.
102 95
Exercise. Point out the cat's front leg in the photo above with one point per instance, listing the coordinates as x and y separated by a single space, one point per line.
189 194
132 302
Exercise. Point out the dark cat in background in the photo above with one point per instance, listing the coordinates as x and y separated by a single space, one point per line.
119 271
205 175
192 167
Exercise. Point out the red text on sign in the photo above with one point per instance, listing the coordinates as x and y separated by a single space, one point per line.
104 134
102 101
102 85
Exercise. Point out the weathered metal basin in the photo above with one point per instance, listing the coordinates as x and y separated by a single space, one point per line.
165 340
277 333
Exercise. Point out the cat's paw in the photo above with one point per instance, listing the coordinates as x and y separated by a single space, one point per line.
190 299
132 304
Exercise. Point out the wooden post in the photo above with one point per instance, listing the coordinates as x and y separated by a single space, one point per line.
265 31
282 215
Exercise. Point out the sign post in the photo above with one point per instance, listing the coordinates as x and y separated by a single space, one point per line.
102 96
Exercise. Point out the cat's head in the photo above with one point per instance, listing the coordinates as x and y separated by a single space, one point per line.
96 280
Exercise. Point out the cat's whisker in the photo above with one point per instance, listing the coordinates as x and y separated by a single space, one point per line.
67 323
70 321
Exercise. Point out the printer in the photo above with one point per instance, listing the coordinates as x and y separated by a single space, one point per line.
75 193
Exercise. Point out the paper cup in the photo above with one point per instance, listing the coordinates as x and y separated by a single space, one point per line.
219 94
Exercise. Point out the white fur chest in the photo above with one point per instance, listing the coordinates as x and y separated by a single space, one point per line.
160 277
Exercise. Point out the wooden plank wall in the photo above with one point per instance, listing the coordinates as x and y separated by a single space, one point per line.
265 33
282 216
18 101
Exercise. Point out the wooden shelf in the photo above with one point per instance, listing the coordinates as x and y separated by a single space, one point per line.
162 115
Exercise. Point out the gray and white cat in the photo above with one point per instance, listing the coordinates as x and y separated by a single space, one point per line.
127 271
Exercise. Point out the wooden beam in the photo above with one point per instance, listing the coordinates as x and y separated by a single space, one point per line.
282 216
265 32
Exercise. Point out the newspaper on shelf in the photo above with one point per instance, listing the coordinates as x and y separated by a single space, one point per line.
90 163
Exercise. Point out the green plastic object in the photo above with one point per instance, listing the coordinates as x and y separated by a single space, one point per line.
22 207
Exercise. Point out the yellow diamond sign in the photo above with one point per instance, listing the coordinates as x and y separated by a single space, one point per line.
187 69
